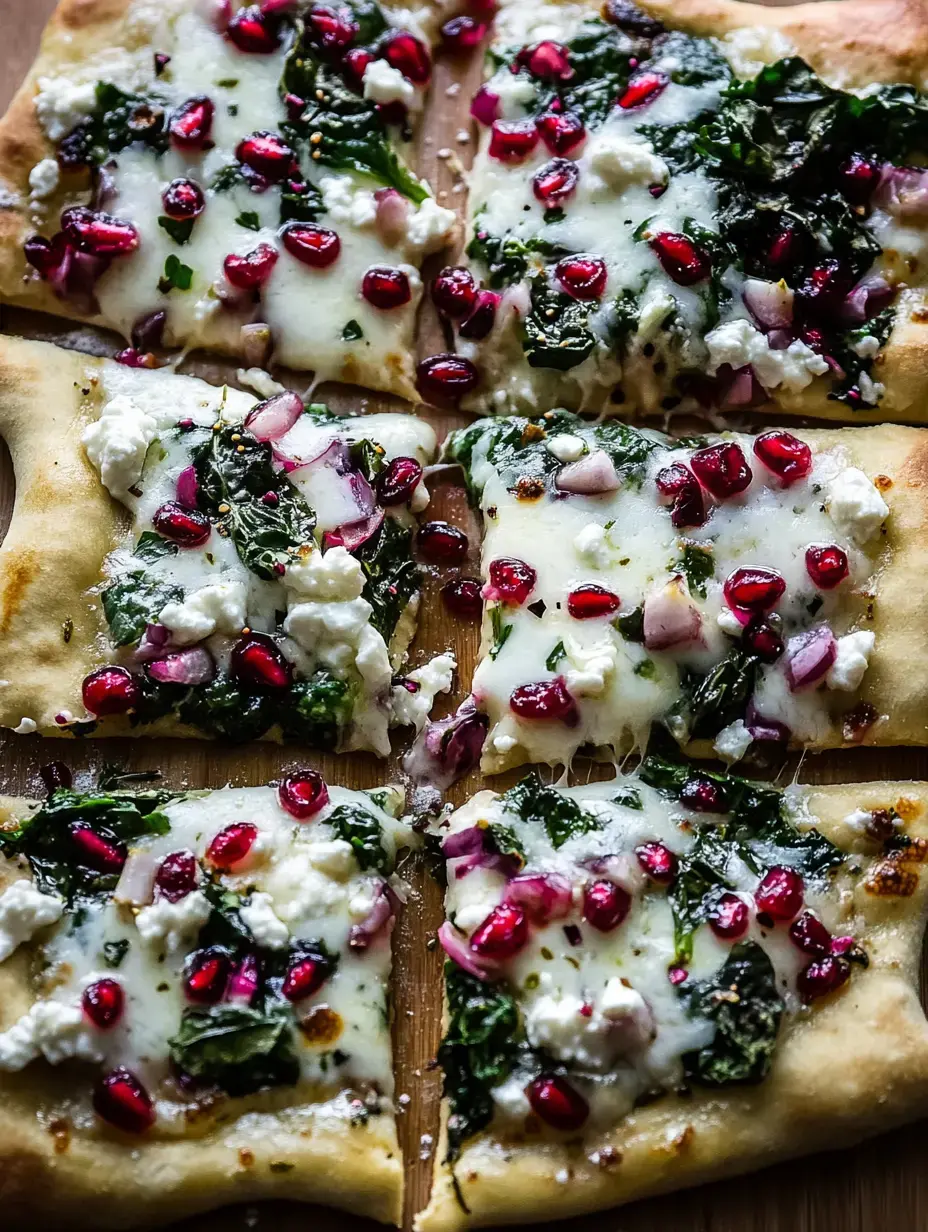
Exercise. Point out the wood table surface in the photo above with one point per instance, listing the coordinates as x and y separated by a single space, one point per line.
881 1186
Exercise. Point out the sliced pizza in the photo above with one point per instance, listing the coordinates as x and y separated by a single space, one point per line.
192 176
695 203
732 588
194 1002
185 560
672 977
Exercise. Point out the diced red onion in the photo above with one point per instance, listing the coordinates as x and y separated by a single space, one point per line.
871 295
243 983
903 191
188 487
769 303
273 418
353 535
485 106
136 884
449 748
767 731
463 842
192 665
779 339
104 188
335 455
543 896
392 212
379 920
152 645
591 475
808 657
257 343
459 951
493 861
670 617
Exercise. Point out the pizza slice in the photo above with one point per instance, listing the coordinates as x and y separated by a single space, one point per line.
185 560
734 589
194 1002
669 978
696 203
192 176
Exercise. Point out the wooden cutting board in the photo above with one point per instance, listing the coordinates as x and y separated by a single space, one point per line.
881 1186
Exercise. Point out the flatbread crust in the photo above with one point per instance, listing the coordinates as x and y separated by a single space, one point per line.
855 1066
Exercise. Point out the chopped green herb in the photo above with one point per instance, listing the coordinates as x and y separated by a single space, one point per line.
178 229
176 274
501 631
249 219
555 657
352 332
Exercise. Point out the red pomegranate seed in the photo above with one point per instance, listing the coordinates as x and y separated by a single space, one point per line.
266 153
100 234
858 178
753 591
785 247
94 850
410 56
605 905
687 506
441 543
461 596
252 270
548 61
47 256
584 278
109 690
555 1102
658 861
303 794
103 1003
187 527
462 33
258 660
545 701
121 1100
824 289
183 199
396 485
822 977
762 639
315 246
722 469
780 893
253 31
683 261
355 65
206 976
643 88
56 776
178 875
511 141
511 581
728 918
454 292
810 935
561 131
231 845
443 380
702 795
786 455
335 30
303 979
131 358
555 181
483 318
386 287
591 601
502 934
192 123
826 565
677 975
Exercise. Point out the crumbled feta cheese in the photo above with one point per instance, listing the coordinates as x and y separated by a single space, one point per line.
345 203
299 891
26 726
429 227
591 543
566 447
866 347
173 924
751 48
23 911
372 661
855 506
267 928
729 623
385 84
411 709
260 381
590 667
216 608
61 105
871 391
334 857
859 820
334 575
739 344
851 661
510 1099
504 744
311 623
619 1021
619 163
51 1029
361 903
733 741
117 443
514 94
43 179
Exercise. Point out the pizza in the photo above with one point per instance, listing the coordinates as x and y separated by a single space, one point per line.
240 569
695 204
736 590
192 176
195 1000
669 978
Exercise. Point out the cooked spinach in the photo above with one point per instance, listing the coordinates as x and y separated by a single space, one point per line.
228 710
556 333
316 711
697 564
362 830
507 258
118 119
391 575
134 601
240 1048
536 804
506 843
151 546
715 700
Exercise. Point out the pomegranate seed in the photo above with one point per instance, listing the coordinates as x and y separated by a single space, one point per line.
315 246
826 565
785 247
410 56
461 596
109 690
386 287
231 845
824 289
751 591
702 795
46 255
266 153
687 507
398 482
483 318
822 977
605 905
131 358
591 601
658 861
96 851
103 1003
555 181
443 380
780 893
511 141
548 61
121 1100
253 31
547 700
192 123
728 918
682 260
462 33
183 199
484 106
643 88
761 639
584 278
207 973
511 581
454 292
335 30
258 660
786 455
355 66
187 527
561 131
303 794
303 979
178 875
441 543
858 177
722 469
810 935
56 776
100 234
252 270
502 934
556 1103
677 975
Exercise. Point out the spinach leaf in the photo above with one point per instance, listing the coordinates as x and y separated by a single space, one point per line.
391 575
713 701
555 657
628 448
697 564
599 56
117 120
362 830
536 804
300 202
631 624
176 274
316 711
240 1048
248 219
556 332
501 631
628 797
507 258
227 710
509 444
114 952
506 843
352 331
134 601
151 547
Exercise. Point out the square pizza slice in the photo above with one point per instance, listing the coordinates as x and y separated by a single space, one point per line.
669 978
731 588
185 560
696 203
193 176
194 1003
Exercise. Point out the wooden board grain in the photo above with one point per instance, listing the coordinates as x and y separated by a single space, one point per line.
881 1186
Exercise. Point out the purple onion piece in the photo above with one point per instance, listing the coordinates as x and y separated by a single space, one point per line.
809 656
449 748
459 951
354 535
190 666
378 922
769 303
543 896
463 842
188 487
243 983
764 730
273 418
592 475
148 331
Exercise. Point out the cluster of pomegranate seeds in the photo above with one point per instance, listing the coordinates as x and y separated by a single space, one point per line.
206 976
97 233
643 88
94 850
250 271
178 875
658 861
682 260
109 690
443 380
303 794
555 1102
858 178
605 904
396 485
257 660
253 31
510 581
183 199
186 527
386 287
546 61
780 893
785 455
454 292
267 153
482 319
511 141
303 978
751 591
462 33
761 639
502 934
826 565
546 701
461 596
728 918
825 287
333 29
315 246
103 1003
121 1100
722 469
561 131
590 601
688 507
409 56
702 795
441 543
192 123
582 277
231 845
